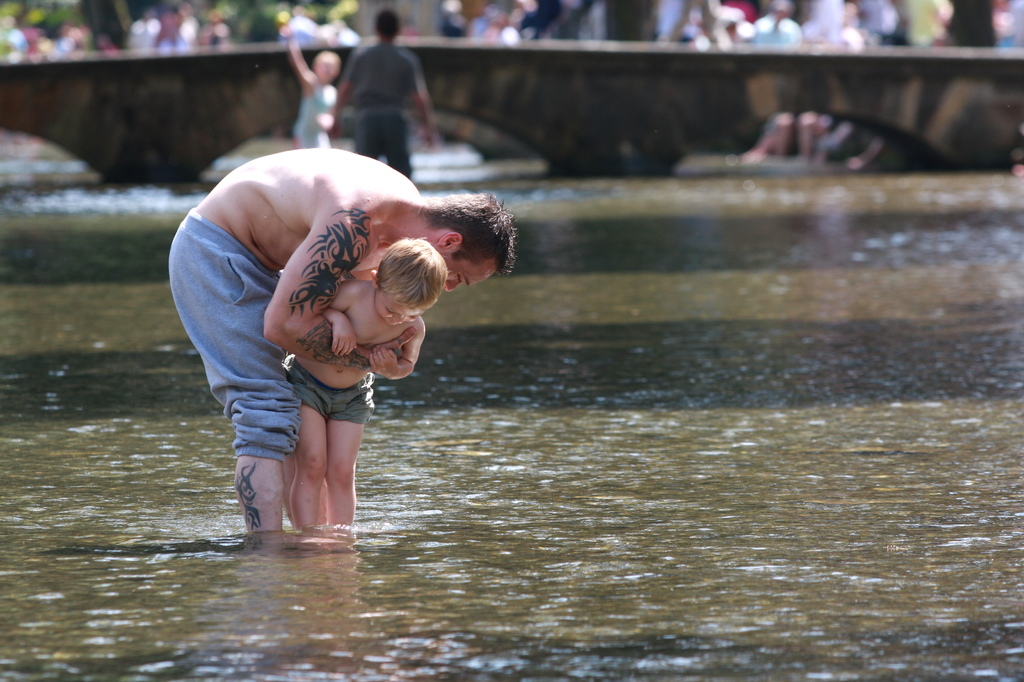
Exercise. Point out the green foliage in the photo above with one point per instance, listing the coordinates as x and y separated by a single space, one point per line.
343 10
48 15
251 21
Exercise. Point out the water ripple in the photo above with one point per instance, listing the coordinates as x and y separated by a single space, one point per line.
145 199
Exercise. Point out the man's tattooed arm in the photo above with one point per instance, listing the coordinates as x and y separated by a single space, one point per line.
339 249
333 256
318 343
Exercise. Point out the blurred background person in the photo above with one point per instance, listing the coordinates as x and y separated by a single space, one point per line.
735 25
1003 23
777 27
453 22
300 27
215 32
852 37
13 43
188 25
881 21
172 38
676 21
144 31
319 96
824 23
338 33
539 18
928 21
380 81
499 29
72 40
1017 10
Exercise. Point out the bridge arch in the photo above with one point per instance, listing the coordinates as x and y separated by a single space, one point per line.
586 108
906 147
149 118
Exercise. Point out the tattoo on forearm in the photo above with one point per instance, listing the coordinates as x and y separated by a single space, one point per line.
318 343
333 256
247 496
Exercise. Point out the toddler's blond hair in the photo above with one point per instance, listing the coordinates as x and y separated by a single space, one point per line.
413 272
329 58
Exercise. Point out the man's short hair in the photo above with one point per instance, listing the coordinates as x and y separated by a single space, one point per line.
387 23
488 230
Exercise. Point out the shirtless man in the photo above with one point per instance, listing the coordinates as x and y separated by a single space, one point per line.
256 263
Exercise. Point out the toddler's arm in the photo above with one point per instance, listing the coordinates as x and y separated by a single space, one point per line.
343 335
307 79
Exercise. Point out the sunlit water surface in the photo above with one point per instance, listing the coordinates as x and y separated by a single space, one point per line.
736 427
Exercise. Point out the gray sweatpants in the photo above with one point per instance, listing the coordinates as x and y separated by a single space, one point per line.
221 292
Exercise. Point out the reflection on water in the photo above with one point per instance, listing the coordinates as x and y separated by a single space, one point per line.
719 428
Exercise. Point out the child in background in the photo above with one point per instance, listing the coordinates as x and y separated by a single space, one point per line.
408 281
316 111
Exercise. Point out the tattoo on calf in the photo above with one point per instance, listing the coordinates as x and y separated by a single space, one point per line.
332 257
247 496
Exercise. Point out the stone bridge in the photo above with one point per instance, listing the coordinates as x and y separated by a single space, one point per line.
587 108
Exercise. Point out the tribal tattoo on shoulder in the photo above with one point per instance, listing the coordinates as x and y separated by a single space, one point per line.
332 257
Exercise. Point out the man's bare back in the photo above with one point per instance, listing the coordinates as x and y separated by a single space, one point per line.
319 216
271 203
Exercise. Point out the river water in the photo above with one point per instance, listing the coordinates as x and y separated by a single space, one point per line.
729 427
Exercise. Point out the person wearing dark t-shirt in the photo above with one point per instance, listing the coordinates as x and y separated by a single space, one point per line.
380 81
